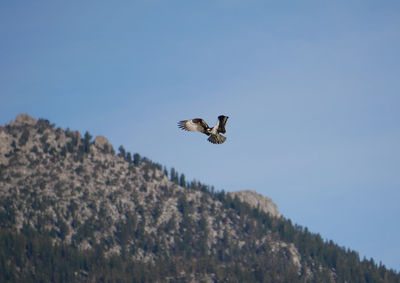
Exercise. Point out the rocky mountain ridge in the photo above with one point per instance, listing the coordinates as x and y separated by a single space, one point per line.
77 193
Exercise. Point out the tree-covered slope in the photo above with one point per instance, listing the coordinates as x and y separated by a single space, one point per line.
72 210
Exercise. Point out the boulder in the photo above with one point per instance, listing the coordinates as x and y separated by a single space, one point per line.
256 200
23 119
102 143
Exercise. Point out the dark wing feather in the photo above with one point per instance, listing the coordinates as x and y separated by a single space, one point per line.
194 125
222 122
217 139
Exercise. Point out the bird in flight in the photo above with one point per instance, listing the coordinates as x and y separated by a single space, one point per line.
199 125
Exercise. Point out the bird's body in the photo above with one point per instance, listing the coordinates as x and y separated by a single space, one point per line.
199 125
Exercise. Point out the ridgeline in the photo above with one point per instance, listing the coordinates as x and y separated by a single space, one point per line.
72 210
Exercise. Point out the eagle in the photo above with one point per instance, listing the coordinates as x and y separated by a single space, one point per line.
199 125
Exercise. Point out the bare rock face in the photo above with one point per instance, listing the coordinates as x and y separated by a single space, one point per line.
23 119
102 142
291 251
257 201
5 147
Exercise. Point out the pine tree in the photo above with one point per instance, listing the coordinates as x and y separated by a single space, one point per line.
174 176
122 151
136 159
165 170
129 157
86 142
182 181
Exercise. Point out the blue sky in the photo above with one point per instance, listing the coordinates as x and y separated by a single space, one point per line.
311 88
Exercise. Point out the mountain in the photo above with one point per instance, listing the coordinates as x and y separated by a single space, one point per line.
72 210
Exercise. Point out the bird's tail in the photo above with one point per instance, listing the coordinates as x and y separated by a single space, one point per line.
218 139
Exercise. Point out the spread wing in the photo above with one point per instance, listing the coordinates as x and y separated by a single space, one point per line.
221 123
194 125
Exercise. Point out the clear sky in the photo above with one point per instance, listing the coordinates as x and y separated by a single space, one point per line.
312 90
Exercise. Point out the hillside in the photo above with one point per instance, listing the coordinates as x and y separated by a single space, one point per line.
72 210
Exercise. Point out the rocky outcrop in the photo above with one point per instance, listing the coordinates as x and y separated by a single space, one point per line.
256 200
23 119
291 252
102 143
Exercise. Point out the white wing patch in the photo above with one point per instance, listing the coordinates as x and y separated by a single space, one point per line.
191 126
